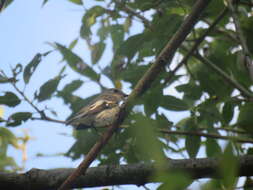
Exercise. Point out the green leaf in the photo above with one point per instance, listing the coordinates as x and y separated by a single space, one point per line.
71 87
245 119
131 46
212 148
173 103
151 106
132 73
73 44
76 63
173 180
48 88
228 112
192 145
17 118
103 32
9 99
117 34
78 2
8 136
44 2
31 67
97 52
89 19
4 4
127 24
144 135
190 90
85 141
229 167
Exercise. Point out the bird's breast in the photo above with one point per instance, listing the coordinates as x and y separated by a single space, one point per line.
106 117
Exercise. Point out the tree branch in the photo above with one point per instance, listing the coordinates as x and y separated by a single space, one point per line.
208 135
143 84
136 174
132 12
196 45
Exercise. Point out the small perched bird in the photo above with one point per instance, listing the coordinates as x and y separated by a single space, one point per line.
100 112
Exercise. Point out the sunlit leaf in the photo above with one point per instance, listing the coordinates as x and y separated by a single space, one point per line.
8 136
97 51
73 44
78 2
89 19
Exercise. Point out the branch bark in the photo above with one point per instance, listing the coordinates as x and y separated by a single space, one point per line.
136 174
143 84
208 135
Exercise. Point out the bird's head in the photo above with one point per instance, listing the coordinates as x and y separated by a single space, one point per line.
116 93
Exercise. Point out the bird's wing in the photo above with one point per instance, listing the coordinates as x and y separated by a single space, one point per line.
91 109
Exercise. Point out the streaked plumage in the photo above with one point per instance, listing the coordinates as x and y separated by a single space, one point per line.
100 112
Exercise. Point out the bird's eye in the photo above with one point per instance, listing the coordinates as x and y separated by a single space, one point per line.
115 90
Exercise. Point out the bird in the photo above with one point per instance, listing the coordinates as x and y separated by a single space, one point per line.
100 112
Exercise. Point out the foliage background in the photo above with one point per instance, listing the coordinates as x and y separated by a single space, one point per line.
198 95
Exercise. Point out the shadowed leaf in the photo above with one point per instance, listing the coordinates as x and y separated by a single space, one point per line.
17 118
9 99
76 63
48 88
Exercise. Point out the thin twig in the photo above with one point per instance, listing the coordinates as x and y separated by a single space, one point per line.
42 114
208 135
196 45
230 81
143 84
238 29
49 119
132 12
239 32
228 129
246 3
26 98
